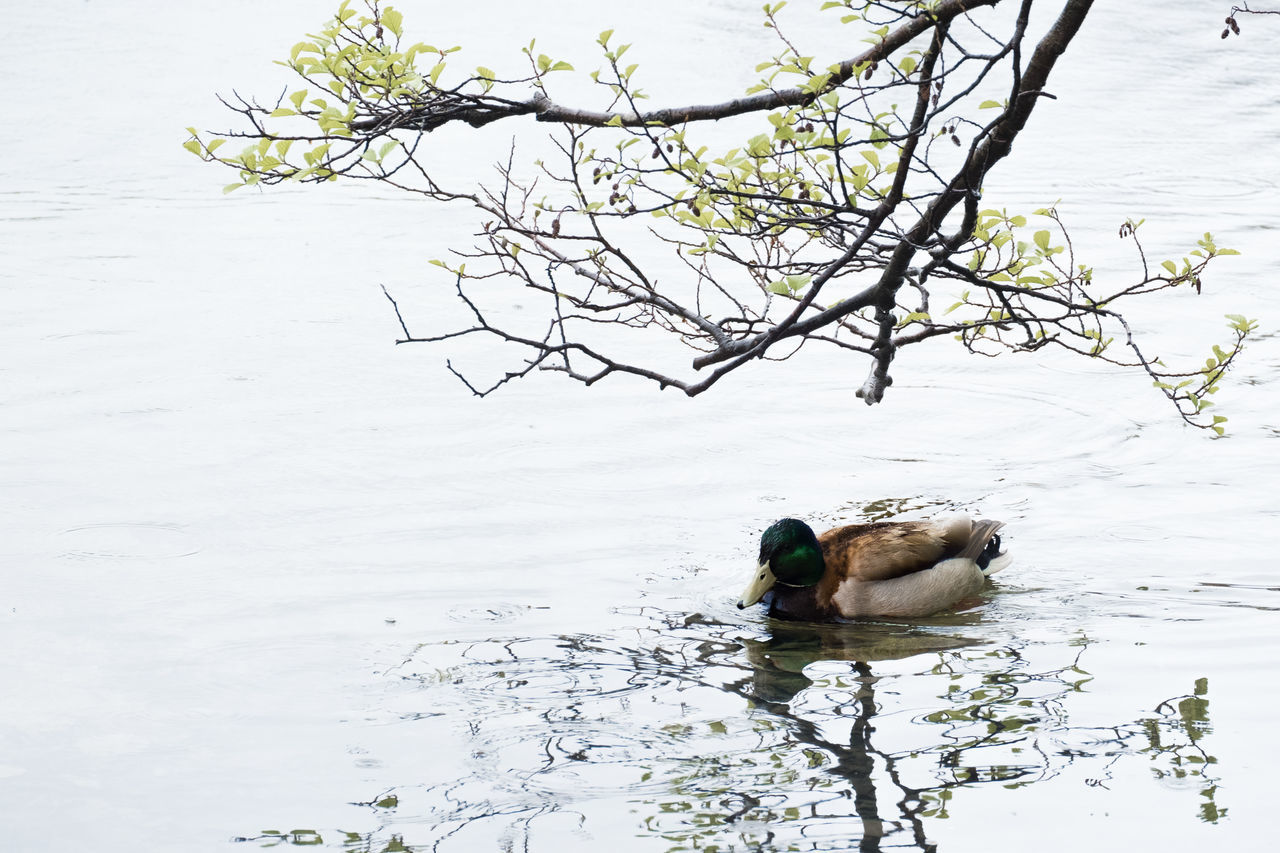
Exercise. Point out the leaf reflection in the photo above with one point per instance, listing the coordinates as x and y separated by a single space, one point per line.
689 734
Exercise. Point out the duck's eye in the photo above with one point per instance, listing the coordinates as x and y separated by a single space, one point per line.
762 576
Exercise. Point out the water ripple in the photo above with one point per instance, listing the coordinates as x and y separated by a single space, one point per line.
128 541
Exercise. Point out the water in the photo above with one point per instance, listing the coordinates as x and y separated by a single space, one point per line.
268 577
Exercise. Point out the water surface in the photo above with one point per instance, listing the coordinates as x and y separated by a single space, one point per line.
272 581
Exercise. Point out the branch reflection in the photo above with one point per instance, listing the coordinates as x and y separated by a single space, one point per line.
801 737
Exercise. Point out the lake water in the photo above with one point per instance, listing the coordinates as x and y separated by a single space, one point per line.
269 580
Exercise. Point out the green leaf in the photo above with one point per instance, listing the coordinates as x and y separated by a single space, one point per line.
231 188
990 105
281 112
789 285
1170 266
393 20
1042 240
1241 323
758 146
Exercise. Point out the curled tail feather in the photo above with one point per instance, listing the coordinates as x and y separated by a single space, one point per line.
983 547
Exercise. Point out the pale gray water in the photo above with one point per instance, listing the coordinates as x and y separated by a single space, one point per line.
266 572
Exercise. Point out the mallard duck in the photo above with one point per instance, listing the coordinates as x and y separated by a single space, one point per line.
898 569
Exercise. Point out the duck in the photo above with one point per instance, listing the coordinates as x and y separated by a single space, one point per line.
892 569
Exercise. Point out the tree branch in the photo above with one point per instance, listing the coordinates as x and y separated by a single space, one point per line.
805 232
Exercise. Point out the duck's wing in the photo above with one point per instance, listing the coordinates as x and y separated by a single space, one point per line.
872 552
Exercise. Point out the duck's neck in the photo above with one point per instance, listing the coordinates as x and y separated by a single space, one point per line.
801 566
797 603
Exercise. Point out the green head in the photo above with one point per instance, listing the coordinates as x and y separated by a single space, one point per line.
789 555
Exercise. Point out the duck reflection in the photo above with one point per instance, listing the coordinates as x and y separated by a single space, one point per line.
778 661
